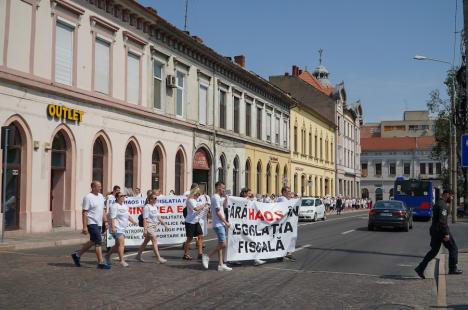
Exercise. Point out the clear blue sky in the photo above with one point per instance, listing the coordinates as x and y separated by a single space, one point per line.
368 44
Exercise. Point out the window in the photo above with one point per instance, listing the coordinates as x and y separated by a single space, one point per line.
295 139
98 161
268 179
101 66
310 144
222 109
268 127
392 169
259 178
236 114
394 128
277 130
180 77
364 170
129 166
202 104
222 169
438 168
156 169
315 146
133 78
235 177
326 150
431 168
331 152
406 169
247 174
339 125
179 173
259 122
285 133
321 149
248 119
422 168
64 53
378 169
303 141
157 84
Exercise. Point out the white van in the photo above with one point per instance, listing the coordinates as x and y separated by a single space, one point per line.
312 208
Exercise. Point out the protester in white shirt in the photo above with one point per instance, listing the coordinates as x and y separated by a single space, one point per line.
285 196
119 215
151 219
218 203
92 216
192 223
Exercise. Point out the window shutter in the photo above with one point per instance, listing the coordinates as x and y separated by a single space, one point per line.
101 78
64 54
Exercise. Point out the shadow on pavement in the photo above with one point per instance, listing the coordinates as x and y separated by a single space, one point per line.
362 252
454 307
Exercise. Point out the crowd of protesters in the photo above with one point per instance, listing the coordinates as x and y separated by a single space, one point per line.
111 214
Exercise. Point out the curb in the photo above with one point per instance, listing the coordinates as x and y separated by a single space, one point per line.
37 245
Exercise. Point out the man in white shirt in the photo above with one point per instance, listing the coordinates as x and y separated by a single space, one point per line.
218 202
92 216
285 196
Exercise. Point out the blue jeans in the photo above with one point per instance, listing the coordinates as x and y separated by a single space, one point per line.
220 233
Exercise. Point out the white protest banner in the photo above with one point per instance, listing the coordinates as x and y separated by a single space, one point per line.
261 230
204 213
170 208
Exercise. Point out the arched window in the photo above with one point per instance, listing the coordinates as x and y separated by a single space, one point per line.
277 180
285 176
98 161
59 151
13 181
303 188
390 193
222 169
157 168
247 174
235 177
259 177
130 162
309 184
295 184
378 194
268 179
179 173
365 193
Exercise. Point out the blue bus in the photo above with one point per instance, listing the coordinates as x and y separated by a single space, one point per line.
416 194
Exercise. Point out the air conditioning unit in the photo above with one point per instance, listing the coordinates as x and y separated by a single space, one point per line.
171 81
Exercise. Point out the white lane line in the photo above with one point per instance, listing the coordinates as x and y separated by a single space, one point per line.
169 247
329 220
326 272
302 247
347 232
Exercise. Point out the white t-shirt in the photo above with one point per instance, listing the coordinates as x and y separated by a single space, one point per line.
110 199
217 204
192 216
94 204
120 213
151 214
281 199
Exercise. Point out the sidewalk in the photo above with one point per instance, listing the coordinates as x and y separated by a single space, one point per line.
42 240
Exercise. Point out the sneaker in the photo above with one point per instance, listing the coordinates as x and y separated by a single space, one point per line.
455 271
162 260
259 262
200 256
205 261
224 268
103 266
108 260
420 273
76 259
124 263
139 258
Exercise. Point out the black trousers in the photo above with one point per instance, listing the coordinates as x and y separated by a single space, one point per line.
436 242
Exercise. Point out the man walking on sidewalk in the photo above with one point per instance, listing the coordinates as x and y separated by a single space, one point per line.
440 233
93 210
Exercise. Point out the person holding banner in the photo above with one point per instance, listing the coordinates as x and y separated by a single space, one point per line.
151 218
93 210
218 203
192 223
119 216
285 196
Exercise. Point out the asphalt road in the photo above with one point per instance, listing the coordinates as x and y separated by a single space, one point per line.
340 265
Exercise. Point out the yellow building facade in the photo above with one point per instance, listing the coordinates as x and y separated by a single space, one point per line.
312 157
266 170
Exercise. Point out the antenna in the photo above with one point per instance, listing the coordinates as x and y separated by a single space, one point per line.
320 56
186 10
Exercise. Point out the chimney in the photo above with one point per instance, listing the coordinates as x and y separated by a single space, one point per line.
240 60
294 70
228 58
198 39
286 74
299 71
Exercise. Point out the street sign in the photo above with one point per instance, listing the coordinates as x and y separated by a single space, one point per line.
464 150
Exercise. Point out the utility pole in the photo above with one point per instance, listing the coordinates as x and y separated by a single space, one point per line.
465 43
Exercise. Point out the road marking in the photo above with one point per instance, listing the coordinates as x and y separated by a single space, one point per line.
347 232
441 284
302 247
406 265
326 272
330 220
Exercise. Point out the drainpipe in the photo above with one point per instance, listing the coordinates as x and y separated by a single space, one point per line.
215 159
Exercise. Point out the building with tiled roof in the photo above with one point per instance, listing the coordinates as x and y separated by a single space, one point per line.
397 148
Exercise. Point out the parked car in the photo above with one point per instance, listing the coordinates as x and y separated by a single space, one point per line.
390 213
312 208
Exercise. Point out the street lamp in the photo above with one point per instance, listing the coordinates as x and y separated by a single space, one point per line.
453 139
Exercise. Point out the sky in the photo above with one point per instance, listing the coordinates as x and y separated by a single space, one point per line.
368 44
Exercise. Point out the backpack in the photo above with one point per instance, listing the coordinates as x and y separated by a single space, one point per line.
140 220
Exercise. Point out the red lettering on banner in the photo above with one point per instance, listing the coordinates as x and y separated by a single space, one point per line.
268 216
251 214
169 209
162 209
135 211
259 216
180 209
279 215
